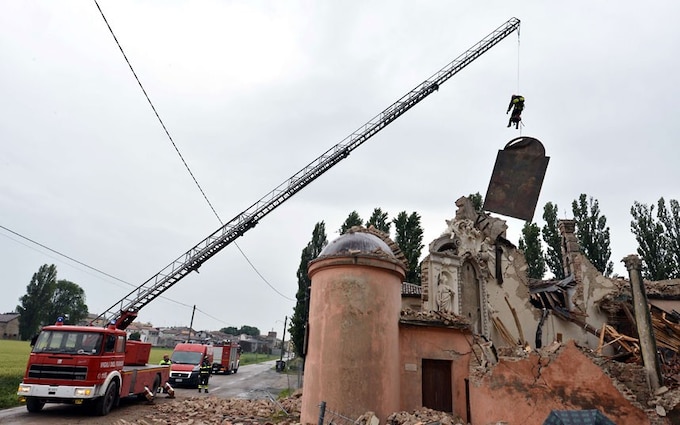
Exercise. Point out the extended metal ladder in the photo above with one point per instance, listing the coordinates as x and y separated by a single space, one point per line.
123 312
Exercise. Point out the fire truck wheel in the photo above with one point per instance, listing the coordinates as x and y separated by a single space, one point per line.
104 404
34 404
156 385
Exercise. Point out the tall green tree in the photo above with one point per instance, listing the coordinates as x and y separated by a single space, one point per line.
34 306
553 241
409 238
231 330
298 321
379 220
352 220
249 330
657 239
68 301
477 201
652 243
671 223
592 233
530 244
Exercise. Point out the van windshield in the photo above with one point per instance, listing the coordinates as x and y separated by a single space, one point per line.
187 357
70 342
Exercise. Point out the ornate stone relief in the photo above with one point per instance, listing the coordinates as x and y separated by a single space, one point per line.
470 236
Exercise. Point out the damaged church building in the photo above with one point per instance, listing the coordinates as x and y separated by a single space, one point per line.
479 339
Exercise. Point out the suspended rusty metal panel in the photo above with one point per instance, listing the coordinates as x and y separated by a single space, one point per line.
517 179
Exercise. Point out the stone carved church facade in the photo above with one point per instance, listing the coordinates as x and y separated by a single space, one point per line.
460 266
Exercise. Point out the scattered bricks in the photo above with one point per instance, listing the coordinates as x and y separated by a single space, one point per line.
423 416
660 410
210 410
367 418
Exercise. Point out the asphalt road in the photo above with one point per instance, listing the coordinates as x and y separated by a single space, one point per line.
254 381
251 382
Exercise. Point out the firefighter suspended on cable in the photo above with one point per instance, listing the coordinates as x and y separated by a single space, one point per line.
517 106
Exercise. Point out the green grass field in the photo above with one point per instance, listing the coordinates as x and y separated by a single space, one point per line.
14 356
246 358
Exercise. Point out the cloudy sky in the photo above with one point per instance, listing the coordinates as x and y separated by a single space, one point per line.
251 92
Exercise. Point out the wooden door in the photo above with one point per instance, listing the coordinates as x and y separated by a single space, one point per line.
437 393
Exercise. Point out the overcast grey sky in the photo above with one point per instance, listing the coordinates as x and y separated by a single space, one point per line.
253 91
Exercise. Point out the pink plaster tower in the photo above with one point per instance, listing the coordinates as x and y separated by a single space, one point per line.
352 362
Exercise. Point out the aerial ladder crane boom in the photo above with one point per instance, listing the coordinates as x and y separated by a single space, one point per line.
125 311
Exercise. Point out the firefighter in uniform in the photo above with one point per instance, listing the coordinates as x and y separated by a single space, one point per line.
517 106
166 360
204 374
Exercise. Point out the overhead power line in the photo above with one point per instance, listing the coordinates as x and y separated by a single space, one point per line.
186 165
61 254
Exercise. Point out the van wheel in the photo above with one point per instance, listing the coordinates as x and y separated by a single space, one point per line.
33 404
104 404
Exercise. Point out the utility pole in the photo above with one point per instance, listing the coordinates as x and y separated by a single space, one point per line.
191 325
283 338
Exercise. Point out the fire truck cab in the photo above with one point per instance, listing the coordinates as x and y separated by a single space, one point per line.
88 365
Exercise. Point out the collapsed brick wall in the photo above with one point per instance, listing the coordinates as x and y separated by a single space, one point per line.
525 390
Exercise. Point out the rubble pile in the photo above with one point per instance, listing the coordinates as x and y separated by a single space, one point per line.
423 416
212 410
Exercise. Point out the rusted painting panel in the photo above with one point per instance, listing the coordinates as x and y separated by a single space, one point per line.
517 179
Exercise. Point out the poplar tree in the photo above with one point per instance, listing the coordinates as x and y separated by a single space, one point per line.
352 220
658 239
553 241
530 244
592 233
409 238
379 220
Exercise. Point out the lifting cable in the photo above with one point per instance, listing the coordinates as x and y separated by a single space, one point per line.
518 45
521 124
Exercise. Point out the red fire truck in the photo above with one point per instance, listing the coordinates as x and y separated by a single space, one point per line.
226 357
93 366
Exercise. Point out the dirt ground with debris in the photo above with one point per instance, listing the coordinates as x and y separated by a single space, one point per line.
197 410
286 411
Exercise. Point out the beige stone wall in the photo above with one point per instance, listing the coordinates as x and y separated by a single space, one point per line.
514 289
437 343
464 257
591 286
410 303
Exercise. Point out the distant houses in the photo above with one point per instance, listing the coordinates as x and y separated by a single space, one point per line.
9 325
168 337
